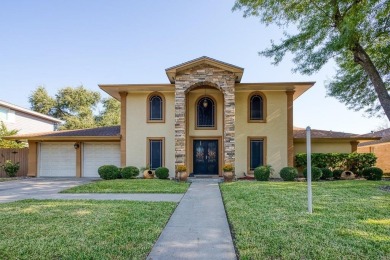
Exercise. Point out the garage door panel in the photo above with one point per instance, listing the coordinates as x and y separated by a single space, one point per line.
57 160
98 154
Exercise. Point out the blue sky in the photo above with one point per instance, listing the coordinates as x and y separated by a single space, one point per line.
71 43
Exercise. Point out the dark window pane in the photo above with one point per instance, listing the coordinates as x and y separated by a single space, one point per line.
155 154
156 108
205 112
256 154
256 108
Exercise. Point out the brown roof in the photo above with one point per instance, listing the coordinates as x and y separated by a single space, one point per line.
383 134
109 132
300 133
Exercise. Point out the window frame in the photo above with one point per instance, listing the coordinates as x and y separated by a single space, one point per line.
214 113
261 94
249 139
148 139
148 108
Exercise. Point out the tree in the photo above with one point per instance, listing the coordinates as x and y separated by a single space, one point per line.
356 34
9 143
75 106
111 113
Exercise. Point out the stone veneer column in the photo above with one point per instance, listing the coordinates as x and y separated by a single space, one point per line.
229 130
290 127
123 127
180 124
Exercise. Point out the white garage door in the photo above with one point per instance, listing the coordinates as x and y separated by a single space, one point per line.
57 160
98 154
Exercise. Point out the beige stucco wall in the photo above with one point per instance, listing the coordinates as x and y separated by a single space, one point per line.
192 98
341 147
275 131
138 130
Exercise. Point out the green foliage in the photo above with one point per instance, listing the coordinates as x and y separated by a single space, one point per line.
373 173
129 172
288 173
228 167
10 168
353 33
110 114
326 173
354 162
316 173
337 174
9 143
109 172
162 173
263 173
76 106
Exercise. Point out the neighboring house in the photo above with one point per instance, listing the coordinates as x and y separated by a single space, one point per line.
381 148
26 121
204 118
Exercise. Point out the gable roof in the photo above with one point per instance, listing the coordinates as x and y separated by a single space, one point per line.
323 135
171 71
98 133
30 112
383 134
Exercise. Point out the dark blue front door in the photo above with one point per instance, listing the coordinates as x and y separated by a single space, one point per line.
206 157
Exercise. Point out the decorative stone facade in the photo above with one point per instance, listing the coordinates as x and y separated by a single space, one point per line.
210 76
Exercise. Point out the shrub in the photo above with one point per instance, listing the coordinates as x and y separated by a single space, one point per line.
355 162
109 172
228 168
373 173
162 173
316 173
181 168
11 168
326 173
337 174
129 172
262 173
288 173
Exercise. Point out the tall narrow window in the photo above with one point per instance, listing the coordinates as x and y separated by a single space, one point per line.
155 108
205 113
257 107
155 153
256 153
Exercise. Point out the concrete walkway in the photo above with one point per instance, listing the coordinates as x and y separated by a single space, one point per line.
198 229
48 188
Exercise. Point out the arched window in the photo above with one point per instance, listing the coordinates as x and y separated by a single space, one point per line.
257 107
155 108
205 113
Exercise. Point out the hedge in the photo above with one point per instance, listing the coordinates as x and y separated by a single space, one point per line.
354 162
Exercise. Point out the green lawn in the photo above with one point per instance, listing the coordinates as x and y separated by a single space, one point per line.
351 220
58 229
131 186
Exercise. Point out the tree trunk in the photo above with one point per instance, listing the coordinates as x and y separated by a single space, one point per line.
362 58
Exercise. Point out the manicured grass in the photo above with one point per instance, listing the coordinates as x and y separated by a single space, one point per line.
351 220
58 229
131 186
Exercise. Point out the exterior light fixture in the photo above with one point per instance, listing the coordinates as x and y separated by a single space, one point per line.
76 146
205 103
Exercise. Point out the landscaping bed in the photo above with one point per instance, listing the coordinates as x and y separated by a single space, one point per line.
269 220
58 229
131 186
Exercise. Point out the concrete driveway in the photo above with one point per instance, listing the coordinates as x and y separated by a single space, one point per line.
39 188
48 188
